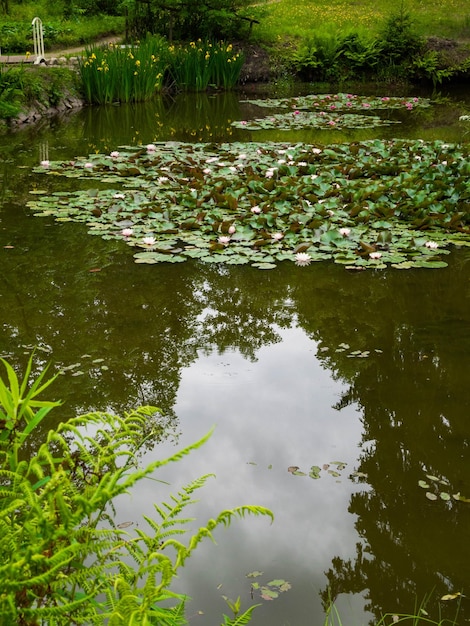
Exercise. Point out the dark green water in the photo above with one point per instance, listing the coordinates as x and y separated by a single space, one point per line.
270 359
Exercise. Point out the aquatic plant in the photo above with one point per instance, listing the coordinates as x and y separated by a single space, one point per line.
124 73
366 204
201 64
65 559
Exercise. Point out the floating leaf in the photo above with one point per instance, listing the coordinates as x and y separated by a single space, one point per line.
254 574
314 472
451 596
269 594
431 496
423 484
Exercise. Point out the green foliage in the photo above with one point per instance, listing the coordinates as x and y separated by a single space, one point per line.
64 560
398 37
202 63
137 73
124 74
185 20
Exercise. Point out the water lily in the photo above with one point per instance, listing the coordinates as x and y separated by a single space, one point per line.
88 165
114 154
277 236
231 229
432 245
302 259
224 239
207 170
119 196
127 232
255 209
151 147
45 164
149 241
375 255
345 232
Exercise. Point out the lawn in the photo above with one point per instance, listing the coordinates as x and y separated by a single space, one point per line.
299 18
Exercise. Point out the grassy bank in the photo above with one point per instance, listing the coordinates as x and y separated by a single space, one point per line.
301 18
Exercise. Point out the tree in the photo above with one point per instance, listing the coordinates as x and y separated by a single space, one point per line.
190 19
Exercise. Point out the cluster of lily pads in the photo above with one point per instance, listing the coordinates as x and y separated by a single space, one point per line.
322 111
440 489
364 204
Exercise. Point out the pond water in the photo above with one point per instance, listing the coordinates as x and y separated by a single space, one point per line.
365 375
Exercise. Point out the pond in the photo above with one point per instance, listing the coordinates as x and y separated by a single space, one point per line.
339 399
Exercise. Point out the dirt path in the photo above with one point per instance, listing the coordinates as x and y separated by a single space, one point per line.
54 54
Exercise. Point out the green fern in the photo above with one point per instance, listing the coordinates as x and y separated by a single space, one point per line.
63 559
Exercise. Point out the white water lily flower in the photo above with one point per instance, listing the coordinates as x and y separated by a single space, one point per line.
231 229
277 236
206 170
432 245
127 232
119 196
224 239
114 154
255 209
345 232
302 259
89 166
151 147
149 241
45 164
375 255
162 179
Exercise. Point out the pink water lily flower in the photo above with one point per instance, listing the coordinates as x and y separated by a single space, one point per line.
255 209
224 239
345 232
127 232
89 166
375 255
151 147
45 164
231 229
114 154
277 236
149 241
302 259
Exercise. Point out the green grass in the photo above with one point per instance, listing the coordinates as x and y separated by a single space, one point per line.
303 18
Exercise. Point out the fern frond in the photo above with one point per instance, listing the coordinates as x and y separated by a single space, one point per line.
240 620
